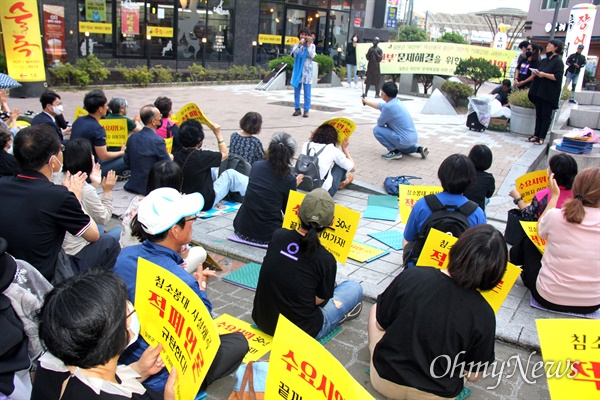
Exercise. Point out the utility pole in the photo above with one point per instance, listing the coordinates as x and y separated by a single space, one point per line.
555 19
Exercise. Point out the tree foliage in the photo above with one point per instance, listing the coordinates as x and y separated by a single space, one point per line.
411 33
452 37
478 70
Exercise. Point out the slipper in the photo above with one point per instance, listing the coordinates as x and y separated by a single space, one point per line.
532 139
539 142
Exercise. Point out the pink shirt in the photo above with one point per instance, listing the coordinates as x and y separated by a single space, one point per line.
570 274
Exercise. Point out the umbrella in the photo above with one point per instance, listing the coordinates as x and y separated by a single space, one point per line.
6 82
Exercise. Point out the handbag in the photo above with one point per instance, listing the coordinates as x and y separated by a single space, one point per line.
514 232
251 381
391 183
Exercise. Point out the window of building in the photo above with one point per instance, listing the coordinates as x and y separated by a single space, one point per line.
551 4
270 31
95 28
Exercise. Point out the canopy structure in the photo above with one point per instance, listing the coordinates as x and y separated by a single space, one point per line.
509 16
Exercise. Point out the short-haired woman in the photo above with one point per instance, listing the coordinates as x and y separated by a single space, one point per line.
266 198
85 324
246 144
118 110
429 321
485 185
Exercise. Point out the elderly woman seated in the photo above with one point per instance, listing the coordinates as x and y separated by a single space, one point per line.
86 323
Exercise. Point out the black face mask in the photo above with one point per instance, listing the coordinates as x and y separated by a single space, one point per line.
528 54
161 124
549 54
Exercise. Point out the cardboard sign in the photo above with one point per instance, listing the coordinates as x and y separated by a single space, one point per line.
259 342
344 127
530 228
410 194
116 131
191 110
171 313
362 252
79 112
169 144
575 344
529 184
337 239
301 368
436 253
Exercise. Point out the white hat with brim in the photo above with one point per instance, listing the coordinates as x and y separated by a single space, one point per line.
164 207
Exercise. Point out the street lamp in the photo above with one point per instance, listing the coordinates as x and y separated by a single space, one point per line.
339 50
148 39
87 43
254 53
203 52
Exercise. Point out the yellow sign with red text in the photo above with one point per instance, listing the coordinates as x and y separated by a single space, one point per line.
172 314
529 184
344 127
301 368
338 238
22 40
570 348
192 111
530 228
362 252
116 131
410 194
258 341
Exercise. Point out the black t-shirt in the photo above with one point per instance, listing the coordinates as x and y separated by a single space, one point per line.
35 215
501 95
13 346
87 127
483 188
8 164
547 89
426 314
195 166
48 385
266 197
288 284
524 68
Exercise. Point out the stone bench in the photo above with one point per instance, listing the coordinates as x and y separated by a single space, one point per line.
587 111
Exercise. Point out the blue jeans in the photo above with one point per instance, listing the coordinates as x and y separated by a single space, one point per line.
349 294
390 140
571 78
349 68
338 174
115 232
116 164
306 96
229 181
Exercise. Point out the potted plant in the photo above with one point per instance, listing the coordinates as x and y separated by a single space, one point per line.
522 113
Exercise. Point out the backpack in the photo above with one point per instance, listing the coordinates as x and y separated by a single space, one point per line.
239 164
391 183
309 166
448 219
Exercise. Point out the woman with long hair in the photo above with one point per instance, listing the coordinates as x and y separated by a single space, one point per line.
523 73
266 198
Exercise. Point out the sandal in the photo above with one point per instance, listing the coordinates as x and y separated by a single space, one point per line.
539 142
532 139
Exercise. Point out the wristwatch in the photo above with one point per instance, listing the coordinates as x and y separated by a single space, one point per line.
516 201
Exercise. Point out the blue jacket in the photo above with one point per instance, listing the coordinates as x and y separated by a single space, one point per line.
144 149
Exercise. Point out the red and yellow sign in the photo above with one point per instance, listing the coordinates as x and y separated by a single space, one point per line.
116 131
301 368
54 33
343 126
410 194
258 341
337 239
159 31
530 228
22 40
529 184
192 111
130 18
172 314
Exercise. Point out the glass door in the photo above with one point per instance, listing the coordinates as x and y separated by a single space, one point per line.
314 19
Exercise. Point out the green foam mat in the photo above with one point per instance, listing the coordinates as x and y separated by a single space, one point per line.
391 238
330 335
246 276
466 392
383 201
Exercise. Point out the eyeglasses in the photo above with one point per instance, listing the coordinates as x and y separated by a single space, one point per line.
62 147
191 219
130 309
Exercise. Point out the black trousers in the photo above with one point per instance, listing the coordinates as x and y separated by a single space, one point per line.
230 354
100 254
543 117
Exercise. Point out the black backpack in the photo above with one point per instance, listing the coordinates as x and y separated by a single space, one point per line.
309 166
239 164
448 219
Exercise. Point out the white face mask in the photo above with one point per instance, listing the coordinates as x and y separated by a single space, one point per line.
57 109
134 325
61 166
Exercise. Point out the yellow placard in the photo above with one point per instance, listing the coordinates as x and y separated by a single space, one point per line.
191 110
264 38
497 295
22 40
116 131
436 253
435 58
362 252
169 144
159 31
529 184
95 10
410 194
95 27
301 368
575 344
337 239
79 112
530 228
259 342
344 127
436 249
172 314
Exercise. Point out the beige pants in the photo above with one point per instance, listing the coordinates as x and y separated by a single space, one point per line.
387 388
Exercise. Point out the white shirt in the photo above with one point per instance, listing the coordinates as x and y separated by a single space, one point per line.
330 155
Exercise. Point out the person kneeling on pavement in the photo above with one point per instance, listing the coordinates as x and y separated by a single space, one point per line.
395 129
167 217
297 277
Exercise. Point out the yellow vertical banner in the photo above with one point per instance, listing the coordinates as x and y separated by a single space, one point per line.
571 346
116 131
258 341
529 184
337 239
79 112
410 194
301 368
343 126
191 110
530 228
20 22
497 295
172 314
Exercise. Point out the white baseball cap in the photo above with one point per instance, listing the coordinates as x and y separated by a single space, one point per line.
164 207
